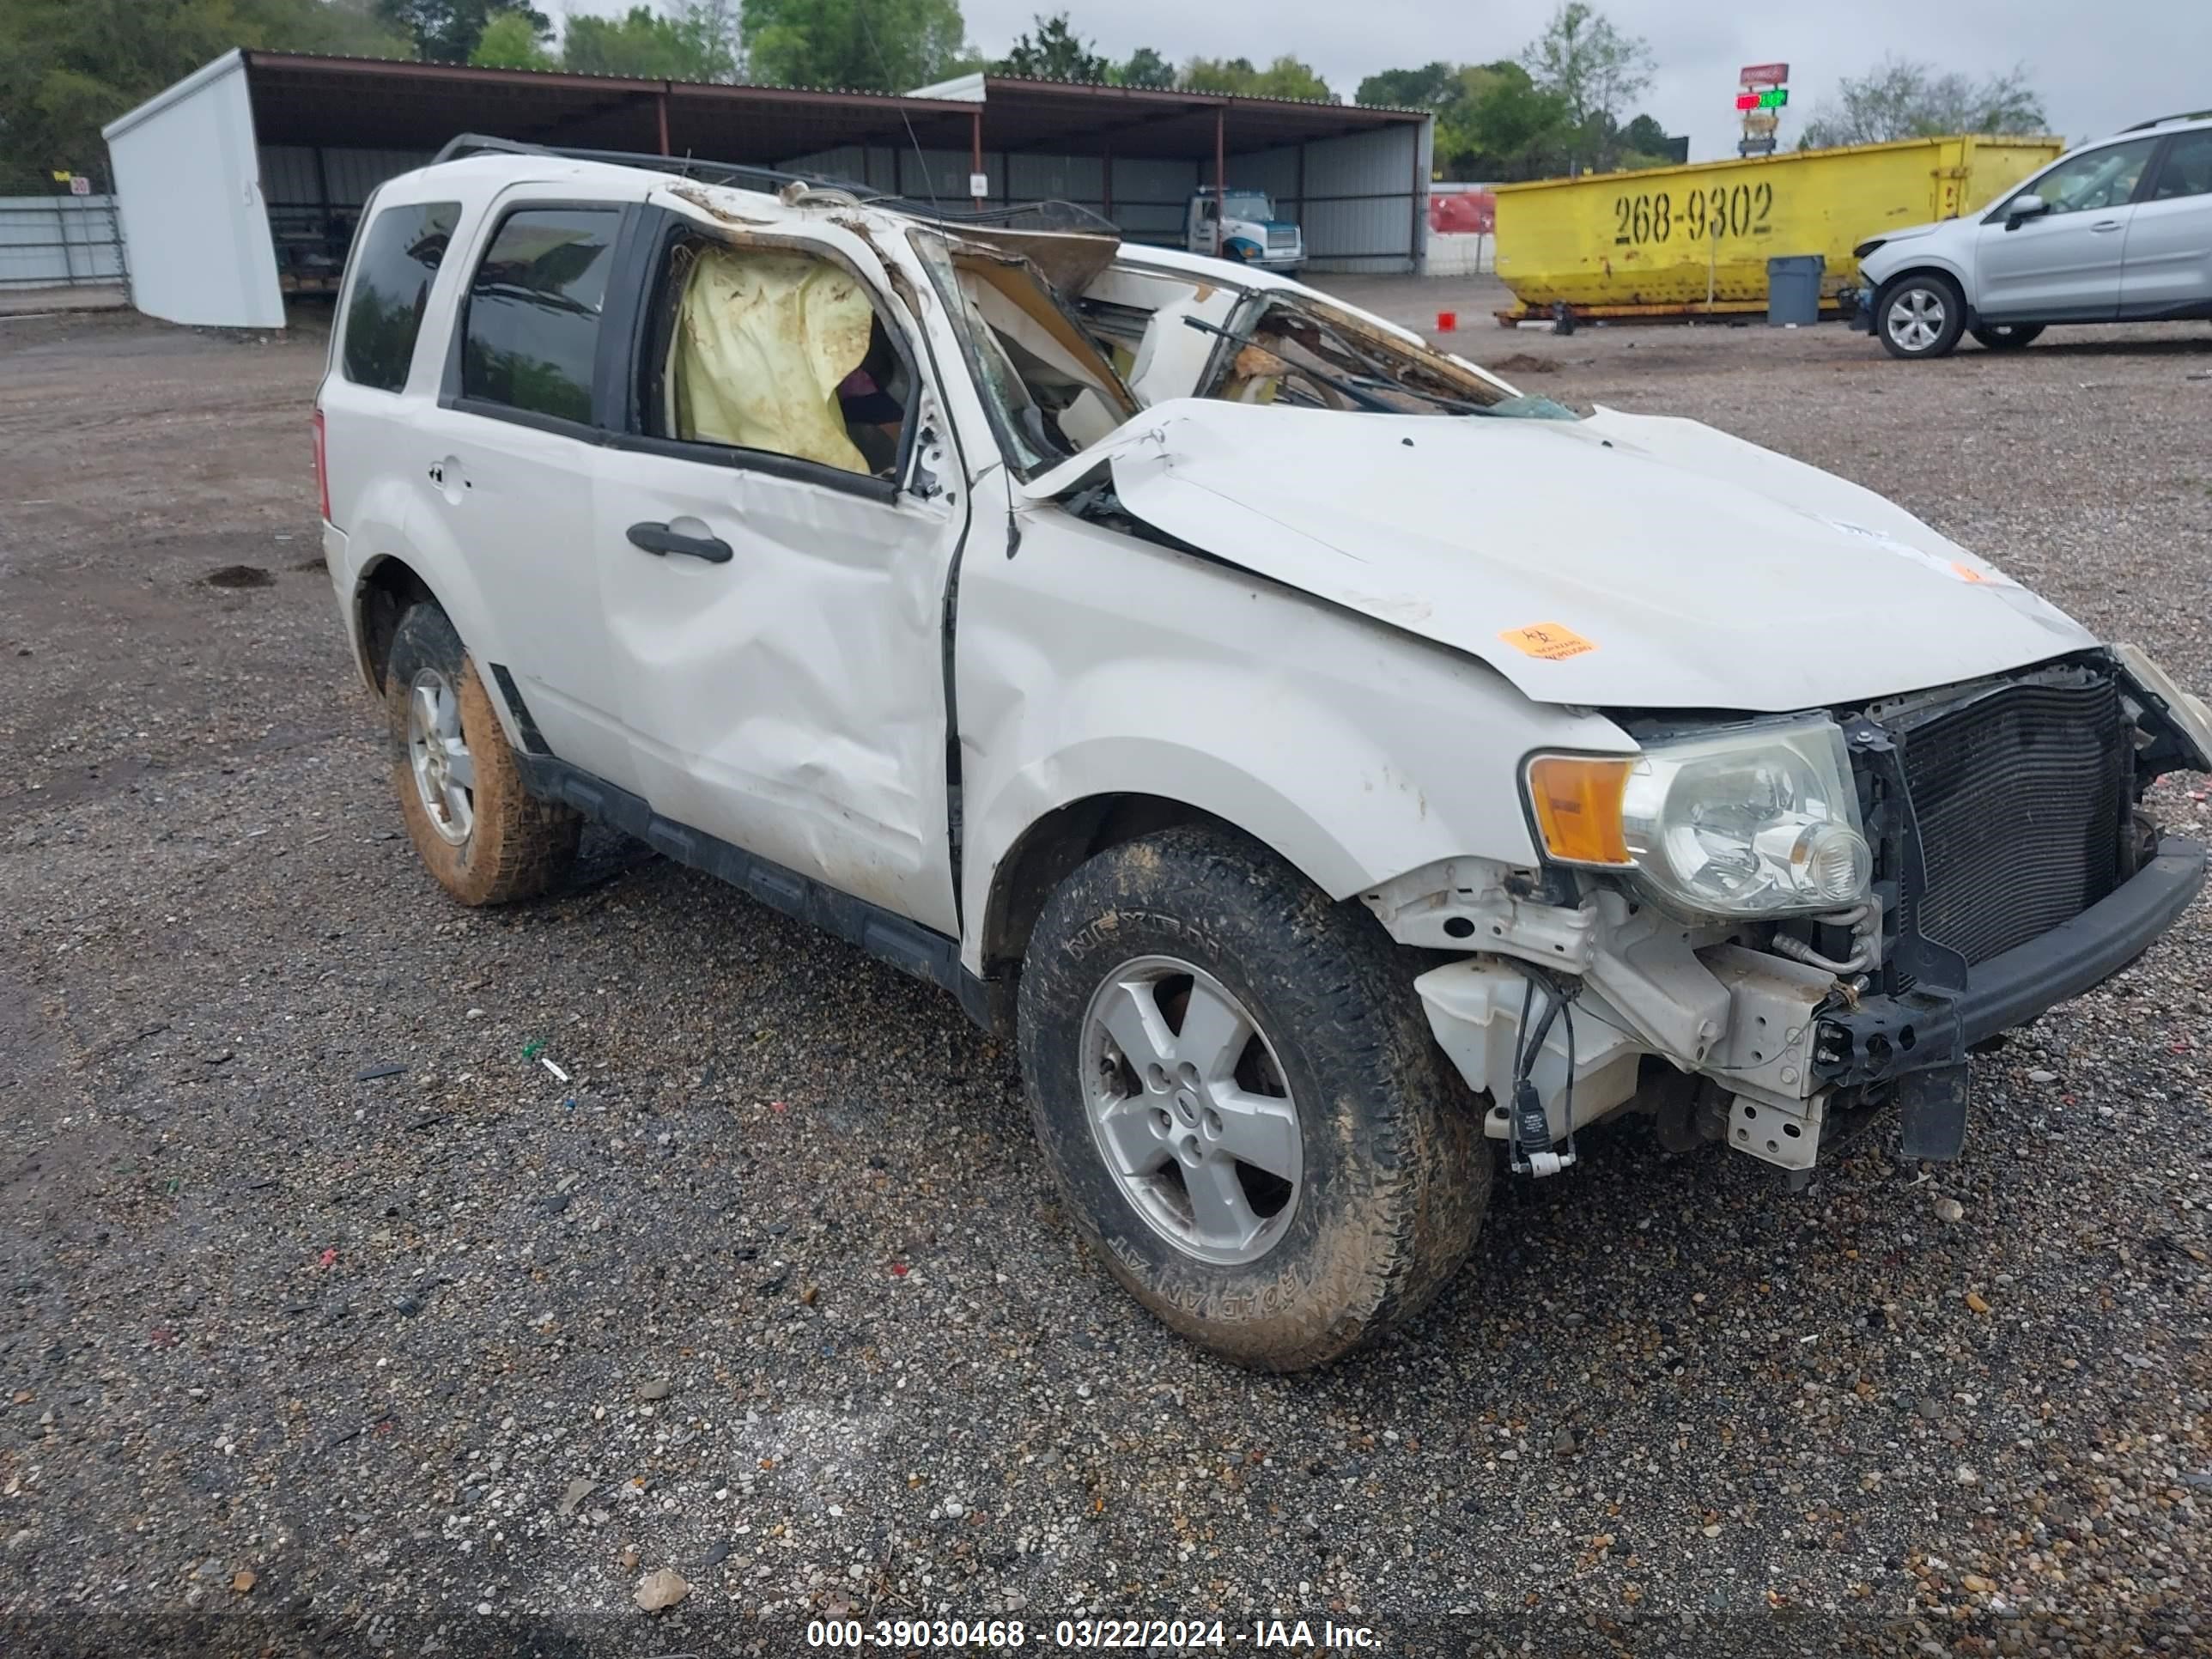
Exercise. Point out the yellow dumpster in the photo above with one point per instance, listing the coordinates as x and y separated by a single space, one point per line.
1690 241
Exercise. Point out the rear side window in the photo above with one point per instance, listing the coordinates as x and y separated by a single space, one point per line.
393 266
2187 169
532 327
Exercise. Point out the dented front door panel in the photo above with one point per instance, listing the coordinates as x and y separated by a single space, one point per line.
788 695
792 700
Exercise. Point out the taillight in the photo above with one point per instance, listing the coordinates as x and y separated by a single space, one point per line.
322 468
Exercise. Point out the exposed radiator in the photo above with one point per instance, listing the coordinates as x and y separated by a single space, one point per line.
2020 797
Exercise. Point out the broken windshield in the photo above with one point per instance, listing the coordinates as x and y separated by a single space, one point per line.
1048 390
1302 354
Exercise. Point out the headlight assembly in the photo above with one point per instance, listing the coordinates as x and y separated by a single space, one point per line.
2186 710
1759 821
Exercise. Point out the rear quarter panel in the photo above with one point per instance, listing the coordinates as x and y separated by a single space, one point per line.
374 449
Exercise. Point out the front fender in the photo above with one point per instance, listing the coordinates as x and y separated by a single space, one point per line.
1096 664
1919 260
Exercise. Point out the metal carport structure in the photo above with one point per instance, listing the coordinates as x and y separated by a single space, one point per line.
244 182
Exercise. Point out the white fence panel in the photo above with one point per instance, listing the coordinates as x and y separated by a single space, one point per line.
54 241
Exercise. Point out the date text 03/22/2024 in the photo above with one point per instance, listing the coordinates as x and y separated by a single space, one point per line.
1173 1635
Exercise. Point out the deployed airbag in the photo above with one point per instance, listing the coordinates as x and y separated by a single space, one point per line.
762 341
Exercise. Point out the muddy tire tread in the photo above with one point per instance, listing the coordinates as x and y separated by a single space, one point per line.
1335 995
518 845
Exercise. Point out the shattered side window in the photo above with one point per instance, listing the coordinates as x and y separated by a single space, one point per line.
1048 391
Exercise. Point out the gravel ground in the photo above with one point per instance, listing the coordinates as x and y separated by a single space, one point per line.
335 1322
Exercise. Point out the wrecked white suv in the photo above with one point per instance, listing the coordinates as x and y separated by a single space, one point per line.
1105 635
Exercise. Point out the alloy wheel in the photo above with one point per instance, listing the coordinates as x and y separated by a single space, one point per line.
438 755
1190 1110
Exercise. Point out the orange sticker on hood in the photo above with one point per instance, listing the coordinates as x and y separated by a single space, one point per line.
1551 641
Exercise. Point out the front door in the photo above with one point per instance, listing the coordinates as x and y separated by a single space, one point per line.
1205 225
2168 271
2063 264
775 546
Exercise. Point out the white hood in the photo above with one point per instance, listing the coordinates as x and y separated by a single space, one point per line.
1622 562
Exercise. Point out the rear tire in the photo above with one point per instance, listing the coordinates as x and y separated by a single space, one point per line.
1369 1174
2007 337
474 824
1920 316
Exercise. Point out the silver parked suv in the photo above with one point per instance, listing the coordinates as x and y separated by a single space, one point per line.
1099 633
2119 231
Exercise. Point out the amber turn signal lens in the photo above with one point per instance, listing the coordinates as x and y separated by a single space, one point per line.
1577 805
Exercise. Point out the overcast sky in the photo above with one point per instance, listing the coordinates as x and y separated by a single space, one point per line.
2101 64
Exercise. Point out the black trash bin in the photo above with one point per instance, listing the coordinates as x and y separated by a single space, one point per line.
1793 288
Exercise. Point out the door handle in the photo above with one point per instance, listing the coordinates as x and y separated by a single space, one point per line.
659 538
2104 225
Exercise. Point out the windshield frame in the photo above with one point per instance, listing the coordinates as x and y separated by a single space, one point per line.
998 384
1492 392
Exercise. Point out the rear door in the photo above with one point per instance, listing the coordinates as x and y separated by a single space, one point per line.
776 529
2063 264
2168 270
502 463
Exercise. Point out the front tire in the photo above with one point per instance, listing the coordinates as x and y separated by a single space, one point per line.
2007 337
1921 316
474 824
1240 1101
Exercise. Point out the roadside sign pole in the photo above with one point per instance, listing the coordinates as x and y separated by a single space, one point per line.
1765 94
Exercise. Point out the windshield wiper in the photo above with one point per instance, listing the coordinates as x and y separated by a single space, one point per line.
1366 400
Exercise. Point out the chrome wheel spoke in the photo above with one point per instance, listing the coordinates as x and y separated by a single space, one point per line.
1214 1034
1130 1133
1260 1130
1219 1207
1132 1017
460 765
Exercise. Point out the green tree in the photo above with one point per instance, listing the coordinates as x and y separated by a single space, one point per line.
510 41
689 41
1900 98
1582 59
1433 87
1055 52
1286 78
1144 68
1503 127
708 29
876 45
640 43
447 31
67 67
345 29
